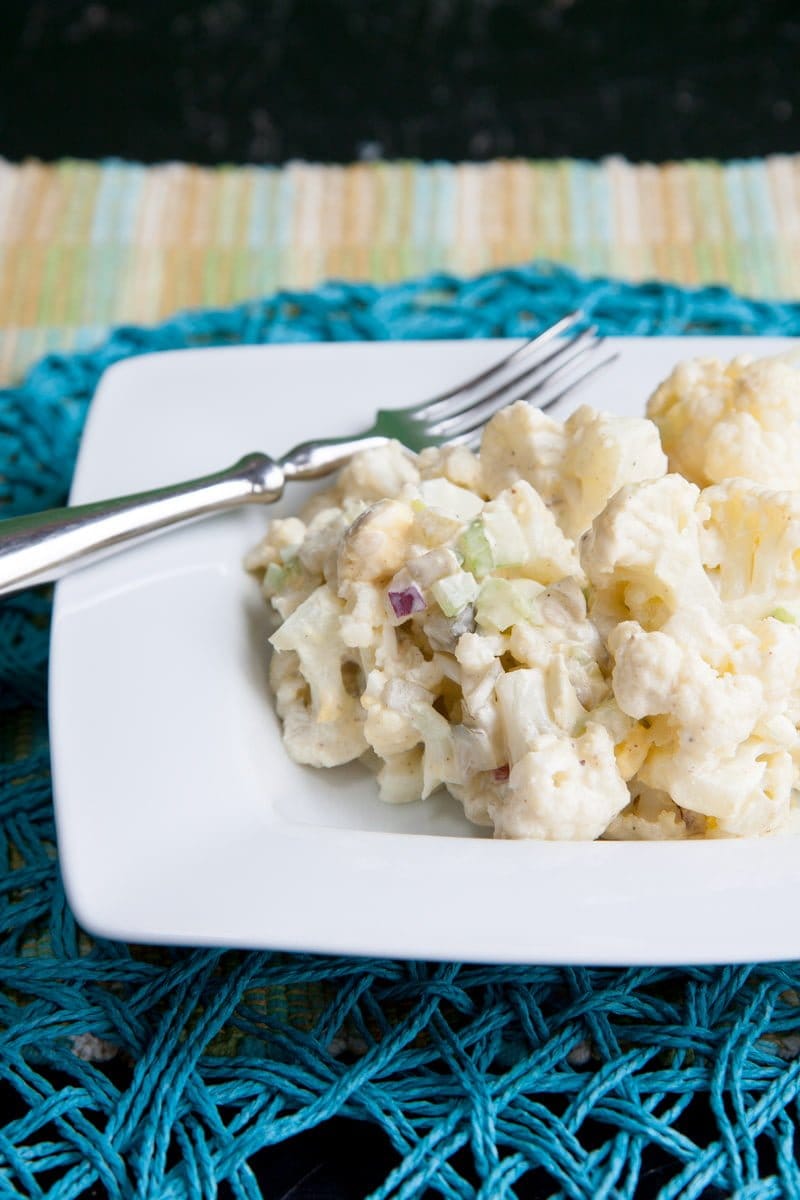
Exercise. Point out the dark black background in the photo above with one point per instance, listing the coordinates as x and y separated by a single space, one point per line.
337 80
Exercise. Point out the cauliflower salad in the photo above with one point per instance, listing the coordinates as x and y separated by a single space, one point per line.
589 629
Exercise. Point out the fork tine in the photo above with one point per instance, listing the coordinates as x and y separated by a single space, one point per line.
571 385
427 409
472 437
539 374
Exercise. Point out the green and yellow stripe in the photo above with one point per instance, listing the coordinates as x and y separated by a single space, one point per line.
84 246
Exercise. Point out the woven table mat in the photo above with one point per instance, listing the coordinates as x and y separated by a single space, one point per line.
161 1072
86 246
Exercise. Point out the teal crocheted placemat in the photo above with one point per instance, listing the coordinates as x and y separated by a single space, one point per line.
160 1073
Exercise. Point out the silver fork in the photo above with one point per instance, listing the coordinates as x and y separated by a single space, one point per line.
43 546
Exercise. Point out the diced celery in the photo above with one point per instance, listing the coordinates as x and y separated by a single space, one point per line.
454 592
284 578
274 578
474 546
504 602
783 614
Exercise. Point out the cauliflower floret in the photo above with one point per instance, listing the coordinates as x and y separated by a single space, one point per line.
307 739
521 442
632 739
378 474
449 499
398 699
284 534
529 645
778 667
545 554
695 627
322 721
653 816
320 547
400 714
575 467
720 747
647 670
722 420
746 794
476 652
476 750
556 623
456 463
400 777
661 700
376 545
478 656
439 760
750 543
364 617
653 675
432 527
603 453
563 788
563 604
387 726
533 702
643 555
477 795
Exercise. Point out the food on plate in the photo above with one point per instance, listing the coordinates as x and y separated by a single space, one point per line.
738 419
589 629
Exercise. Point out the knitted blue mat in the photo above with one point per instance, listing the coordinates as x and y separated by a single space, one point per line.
161 1073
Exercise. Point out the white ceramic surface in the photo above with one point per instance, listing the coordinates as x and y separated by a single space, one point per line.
181 819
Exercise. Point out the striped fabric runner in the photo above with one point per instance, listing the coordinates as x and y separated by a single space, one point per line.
84 246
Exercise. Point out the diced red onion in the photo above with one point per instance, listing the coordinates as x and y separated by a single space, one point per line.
407 601
500 774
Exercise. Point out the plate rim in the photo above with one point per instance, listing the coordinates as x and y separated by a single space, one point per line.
696 858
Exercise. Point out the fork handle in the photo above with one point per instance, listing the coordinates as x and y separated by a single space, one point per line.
44 546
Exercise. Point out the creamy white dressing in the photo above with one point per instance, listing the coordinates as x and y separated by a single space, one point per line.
571 636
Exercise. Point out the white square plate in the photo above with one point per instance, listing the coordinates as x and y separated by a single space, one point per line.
181 819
